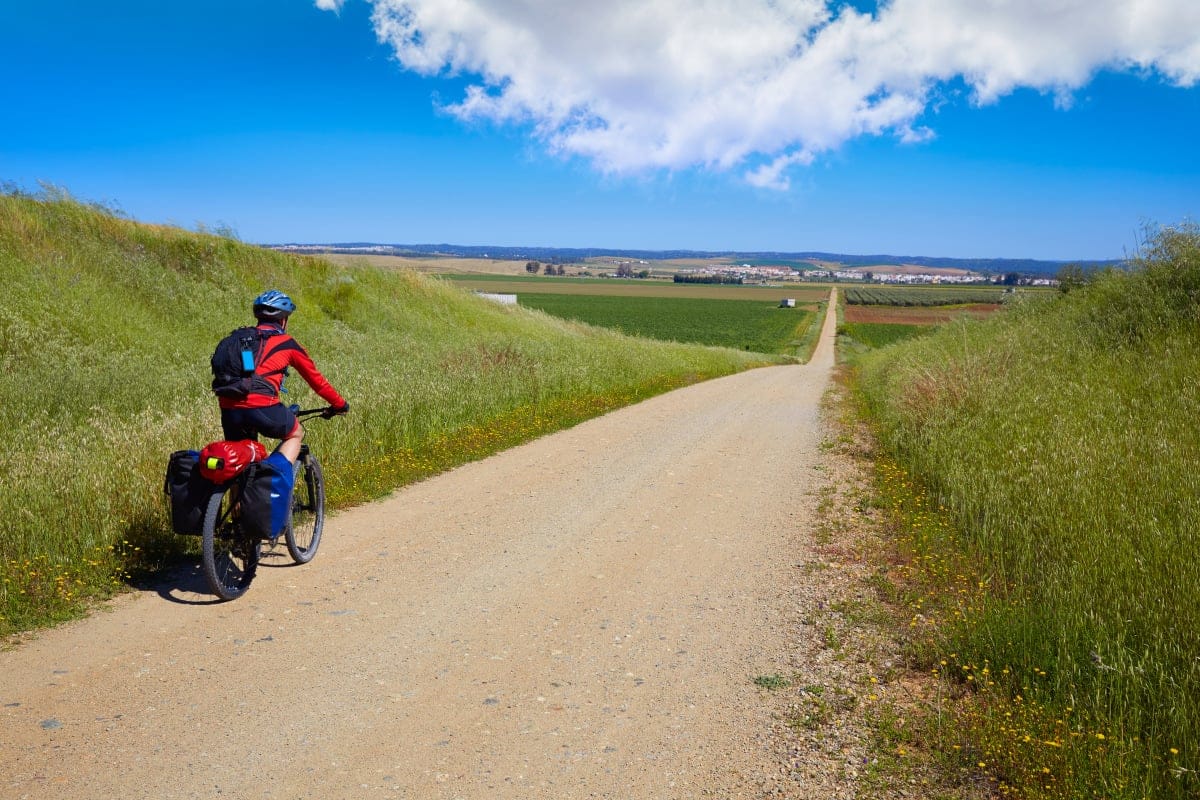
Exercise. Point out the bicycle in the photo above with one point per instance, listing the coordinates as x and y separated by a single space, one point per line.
230 555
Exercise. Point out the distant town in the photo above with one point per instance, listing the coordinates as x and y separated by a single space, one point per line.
748 273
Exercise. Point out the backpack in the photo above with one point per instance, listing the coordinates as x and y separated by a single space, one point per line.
234 361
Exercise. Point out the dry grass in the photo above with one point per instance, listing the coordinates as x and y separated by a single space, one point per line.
435 264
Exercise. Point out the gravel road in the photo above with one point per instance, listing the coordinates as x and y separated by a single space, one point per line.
579 617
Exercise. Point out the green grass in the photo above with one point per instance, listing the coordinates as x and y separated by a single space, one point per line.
881 334
772 682
742 324
106 327
1059 444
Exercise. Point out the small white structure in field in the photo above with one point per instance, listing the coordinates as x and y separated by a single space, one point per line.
502 299
787 302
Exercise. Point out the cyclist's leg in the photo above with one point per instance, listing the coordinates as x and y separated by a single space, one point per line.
235 425
290 446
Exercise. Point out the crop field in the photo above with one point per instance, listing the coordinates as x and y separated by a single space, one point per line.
881 334
879 326
807 293
921 295
757 326
915 315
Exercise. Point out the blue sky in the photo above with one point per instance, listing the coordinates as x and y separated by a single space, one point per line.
290 123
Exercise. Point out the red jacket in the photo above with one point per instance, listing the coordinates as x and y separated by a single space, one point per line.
279 352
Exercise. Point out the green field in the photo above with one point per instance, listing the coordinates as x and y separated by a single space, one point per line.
1050 456
106 328
881 334
741 324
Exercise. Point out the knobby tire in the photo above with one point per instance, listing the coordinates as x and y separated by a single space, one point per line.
303 533
230 558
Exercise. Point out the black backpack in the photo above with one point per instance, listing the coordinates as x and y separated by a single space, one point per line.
234 361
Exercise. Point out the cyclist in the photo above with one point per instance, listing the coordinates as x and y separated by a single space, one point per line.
261 411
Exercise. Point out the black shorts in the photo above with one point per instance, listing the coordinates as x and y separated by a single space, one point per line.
275 422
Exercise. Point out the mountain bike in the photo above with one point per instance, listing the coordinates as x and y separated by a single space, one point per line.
230 555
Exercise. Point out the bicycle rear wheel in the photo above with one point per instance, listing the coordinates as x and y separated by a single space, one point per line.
303 533
230 557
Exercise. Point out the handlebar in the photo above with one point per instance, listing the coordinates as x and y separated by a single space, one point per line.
326 412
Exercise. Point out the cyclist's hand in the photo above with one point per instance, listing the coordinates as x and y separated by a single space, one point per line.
332 412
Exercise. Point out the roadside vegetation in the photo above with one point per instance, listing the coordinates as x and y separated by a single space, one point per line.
106 328
1043 493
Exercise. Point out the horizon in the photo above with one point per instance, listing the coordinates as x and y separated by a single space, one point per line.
429 248
1018 132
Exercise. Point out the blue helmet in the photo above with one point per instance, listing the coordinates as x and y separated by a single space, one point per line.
273 305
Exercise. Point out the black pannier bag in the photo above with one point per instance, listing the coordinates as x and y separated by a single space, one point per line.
267 496
188 491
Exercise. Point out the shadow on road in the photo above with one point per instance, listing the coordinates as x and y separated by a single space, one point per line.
186 584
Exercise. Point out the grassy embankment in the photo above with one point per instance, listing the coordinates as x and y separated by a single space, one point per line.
1051 565
106 327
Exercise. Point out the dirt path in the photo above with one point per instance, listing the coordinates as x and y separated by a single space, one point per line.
582 616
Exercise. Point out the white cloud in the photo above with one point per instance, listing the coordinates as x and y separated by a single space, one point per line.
672 84
774 174
330 5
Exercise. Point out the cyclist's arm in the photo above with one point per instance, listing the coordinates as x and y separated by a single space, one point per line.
313 377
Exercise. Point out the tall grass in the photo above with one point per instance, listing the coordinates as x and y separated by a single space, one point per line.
1062 438
106 327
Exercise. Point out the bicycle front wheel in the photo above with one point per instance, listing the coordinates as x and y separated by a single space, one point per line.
303 533
230 557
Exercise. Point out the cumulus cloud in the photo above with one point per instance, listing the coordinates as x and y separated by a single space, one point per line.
671 84
330 5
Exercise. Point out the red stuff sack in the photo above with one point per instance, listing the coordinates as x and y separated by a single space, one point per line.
222 461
